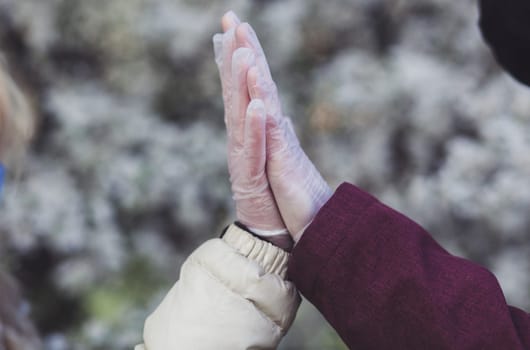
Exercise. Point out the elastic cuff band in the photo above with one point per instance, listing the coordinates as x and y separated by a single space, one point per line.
280 238
268 233
271 258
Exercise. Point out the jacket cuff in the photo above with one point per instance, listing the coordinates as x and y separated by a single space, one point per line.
271 258
325 234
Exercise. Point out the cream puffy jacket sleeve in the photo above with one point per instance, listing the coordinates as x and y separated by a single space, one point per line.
232 294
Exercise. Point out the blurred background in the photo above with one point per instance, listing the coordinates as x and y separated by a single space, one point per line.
127 173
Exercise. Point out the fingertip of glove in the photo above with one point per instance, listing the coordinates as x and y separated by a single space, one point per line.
217 39
218 48
229 37
244 34
229 20
252 82
243 55
256 108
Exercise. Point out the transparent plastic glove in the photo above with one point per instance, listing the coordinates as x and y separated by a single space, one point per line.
299 189
245 123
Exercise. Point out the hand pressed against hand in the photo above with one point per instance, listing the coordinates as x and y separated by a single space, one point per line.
245 123
299 189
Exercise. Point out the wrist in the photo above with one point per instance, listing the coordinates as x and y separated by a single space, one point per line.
320 198
267 233
279 238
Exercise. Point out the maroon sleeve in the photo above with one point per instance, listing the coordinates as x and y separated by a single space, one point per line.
383 283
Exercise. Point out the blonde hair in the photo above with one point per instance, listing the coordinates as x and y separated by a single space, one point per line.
16 119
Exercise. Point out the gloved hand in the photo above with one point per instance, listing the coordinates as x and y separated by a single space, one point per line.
299 189
245 123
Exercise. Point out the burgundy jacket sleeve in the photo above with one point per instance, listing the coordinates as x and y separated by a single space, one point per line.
383 283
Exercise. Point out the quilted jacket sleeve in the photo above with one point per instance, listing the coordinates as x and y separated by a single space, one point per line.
232 294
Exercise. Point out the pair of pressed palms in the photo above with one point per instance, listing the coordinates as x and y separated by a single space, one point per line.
276 188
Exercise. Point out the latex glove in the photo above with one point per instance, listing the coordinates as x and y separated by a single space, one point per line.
299 189
245 123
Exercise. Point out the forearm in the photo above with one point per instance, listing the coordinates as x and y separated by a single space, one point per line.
383 282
